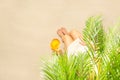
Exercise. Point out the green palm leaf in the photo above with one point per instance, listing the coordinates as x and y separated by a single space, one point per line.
100 62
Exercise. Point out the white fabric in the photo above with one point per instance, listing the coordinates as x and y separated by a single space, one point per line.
75 47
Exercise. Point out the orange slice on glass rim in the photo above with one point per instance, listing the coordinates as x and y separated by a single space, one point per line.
55 44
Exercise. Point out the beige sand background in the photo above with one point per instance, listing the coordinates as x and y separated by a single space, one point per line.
27 26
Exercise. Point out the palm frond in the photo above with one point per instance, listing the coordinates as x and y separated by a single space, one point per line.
100 62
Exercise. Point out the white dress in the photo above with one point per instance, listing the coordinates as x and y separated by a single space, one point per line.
75 47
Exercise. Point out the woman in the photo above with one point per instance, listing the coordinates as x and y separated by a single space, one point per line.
73 41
